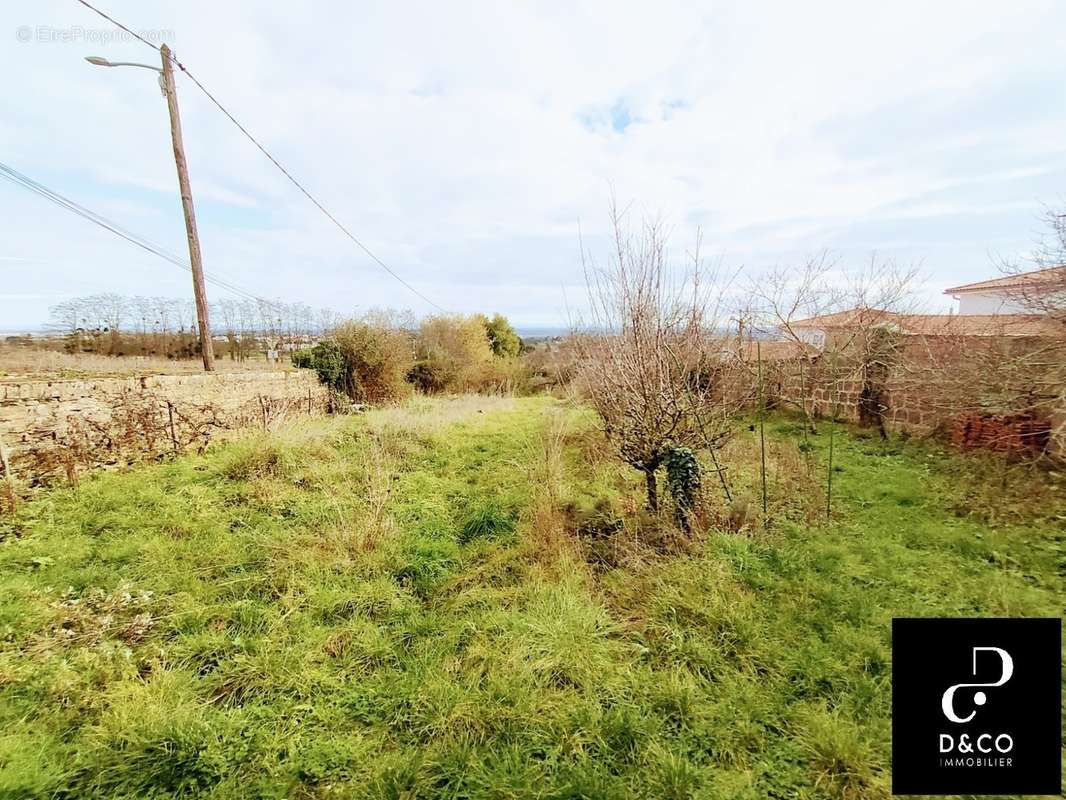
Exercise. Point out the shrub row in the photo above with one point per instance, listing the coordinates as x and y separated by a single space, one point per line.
377 358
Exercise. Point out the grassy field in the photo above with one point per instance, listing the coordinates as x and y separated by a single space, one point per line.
31 363
436 600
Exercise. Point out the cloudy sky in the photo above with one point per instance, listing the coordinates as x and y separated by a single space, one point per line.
465 142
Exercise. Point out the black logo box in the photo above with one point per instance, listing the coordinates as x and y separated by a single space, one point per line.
1017 722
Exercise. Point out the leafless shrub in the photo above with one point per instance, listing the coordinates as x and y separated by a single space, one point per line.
380 471
1008 384
652 353
998 381
1042 292
845 327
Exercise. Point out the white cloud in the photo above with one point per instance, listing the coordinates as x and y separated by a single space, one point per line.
462 142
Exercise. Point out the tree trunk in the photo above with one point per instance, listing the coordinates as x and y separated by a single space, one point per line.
653 490
872 406
683 520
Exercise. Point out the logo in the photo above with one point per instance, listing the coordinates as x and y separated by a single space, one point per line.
979 698
976 706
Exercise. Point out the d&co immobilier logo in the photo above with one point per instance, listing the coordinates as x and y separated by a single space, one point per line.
976 706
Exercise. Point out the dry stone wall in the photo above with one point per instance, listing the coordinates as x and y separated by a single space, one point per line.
57 427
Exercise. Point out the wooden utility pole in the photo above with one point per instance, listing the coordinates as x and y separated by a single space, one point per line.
762 428
206 347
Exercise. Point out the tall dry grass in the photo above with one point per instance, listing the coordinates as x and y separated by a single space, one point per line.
545 457
428 416
18 362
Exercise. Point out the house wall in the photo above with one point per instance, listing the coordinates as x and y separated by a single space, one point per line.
812 336
990 303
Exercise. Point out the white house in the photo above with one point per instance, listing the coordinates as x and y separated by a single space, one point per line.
1014 305
1025 293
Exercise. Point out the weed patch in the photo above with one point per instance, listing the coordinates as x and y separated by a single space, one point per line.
463 598
488 521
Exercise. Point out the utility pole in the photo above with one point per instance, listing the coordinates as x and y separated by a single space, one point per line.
762 428
206 347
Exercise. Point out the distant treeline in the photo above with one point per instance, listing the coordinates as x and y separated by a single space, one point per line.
113 324
379 355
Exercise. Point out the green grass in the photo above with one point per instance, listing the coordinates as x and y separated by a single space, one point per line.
384 606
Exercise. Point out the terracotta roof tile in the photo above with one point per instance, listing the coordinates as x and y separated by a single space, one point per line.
1052 275
937 324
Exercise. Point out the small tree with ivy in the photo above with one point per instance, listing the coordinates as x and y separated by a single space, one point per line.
652 356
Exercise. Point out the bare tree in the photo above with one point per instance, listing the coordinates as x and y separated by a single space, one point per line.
845 328
785 296
66 316
1013 375
117 325
650 351
225 311
113 309
1043 292
864 352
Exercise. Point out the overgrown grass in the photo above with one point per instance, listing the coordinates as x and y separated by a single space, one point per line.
39 363
435 601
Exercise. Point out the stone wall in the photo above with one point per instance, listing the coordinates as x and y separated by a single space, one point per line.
938 388
50 427
905 407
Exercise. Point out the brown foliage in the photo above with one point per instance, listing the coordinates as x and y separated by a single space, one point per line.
378 354
452 353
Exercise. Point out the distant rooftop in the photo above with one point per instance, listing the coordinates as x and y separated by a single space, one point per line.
1051 275
936 324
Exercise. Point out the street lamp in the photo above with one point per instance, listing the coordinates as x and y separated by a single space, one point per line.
100 61
103 62
166 83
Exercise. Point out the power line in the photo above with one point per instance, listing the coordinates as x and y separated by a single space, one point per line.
118 24
271 158
19 179
16 177
300 186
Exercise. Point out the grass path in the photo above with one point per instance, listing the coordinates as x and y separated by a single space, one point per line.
362 608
